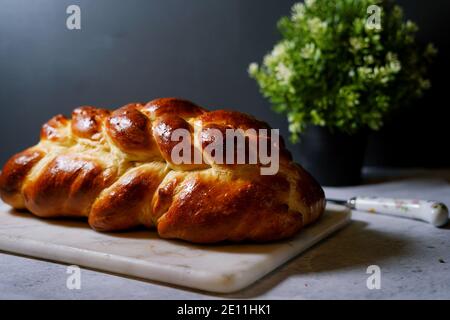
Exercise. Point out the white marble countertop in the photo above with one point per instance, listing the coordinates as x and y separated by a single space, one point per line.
414 259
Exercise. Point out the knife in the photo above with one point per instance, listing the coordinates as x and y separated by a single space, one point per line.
433 212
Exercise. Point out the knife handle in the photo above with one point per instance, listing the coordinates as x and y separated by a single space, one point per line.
432 212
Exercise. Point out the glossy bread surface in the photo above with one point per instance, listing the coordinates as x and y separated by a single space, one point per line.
115 169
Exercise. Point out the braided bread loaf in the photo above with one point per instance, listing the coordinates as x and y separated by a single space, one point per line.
115 168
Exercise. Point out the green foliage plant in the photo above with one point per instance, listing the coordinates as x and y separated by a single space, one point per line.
333 69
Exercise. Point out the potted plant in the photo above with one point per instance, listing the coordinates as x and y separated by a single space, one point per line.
341 68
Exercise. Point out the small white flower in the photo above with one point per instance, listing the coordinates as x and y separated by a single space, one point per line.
307 52
283 73
395 66
298 11
290 118
268 60
278 53
310 3
377 70
278 50
295 127
317 26
365 72
384 80
252 68
390 56
393 63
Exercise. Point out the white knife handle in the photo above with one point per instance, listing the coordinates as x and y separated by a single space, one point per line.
432 212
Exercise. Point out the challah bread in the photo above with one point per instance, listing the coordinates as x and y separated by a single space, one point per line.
115 169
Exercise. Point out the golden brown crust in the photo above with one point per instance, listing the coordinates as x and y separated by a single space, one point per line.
233 119
209 209
130 130
53 130
116 169
182 108
127 203
87 122
14 173
67 186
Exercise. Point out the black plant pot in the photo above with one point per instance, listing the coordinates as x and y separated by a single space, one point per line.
333 158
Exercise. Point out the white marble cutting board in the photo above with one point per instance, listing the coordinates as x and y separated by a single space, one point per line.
216 268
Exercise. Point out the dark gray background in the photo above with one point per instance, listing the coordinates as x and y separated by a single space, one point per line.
196 49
